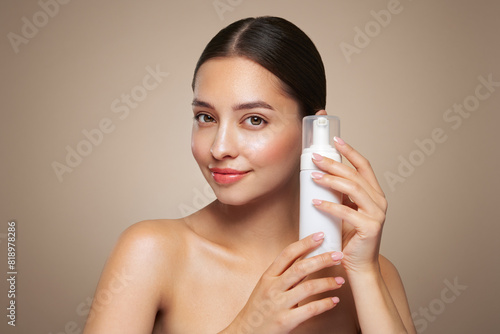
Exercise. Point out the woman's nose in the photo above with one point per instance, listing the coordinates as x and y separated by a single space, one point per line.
225 144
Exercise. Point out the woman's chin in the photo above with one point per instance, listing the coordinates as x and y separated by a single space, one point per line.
231 200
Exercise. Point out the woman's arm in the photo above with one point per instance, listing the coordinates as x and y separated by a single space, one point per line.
127 296
377 289
397 291
381 301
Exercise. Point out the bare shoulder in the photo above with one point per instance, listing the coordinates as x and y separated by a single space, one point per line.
148 242
392 279
152 235
153 247
396 289
388 269
136 278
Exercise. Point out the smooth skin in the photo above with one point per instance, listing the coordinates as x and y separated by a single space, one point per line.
237 266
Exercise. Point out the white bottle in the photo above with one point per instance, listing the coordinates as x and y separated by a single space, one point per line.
317 137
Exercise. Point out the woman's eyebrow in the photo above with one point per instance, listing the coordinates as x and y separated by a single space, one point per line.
241 106
253 105
198 103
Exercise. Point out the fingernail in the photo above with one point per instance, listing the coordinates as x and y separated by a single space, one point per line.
338 140
318 236
317 157
317 201
339 280
337 256
335 300
317 175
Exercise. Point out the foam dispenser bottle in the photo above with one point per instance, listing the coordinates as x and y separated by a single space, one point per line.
317 137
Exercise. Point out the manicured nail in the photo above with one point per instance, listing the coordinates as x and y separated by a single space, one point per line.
317 175
338 140
318 236
317 201
335 300
337 256
317 157
339 280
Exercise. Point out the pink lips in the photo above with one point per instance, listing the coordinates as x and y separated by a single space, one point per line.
227 175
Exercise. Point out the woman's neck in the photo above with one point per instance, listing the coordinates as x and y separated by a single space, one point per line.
262 227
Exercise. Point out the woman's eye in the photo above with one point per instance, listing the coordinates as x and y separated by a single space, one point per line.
255 120
204 118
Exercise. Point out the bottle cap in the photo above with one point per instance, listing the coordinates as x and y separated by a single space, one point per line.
317 137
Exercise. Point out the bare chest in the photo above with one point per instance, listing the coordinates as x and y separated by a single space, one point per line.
206 300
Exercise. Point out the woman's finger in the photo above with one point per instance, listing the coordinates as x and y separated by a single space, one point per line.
365 226
359 181
312 287
352 190
359 162
300 269
300 314
294 251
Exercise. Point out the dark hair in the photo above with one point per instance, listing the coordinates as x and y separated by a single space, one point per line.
280 47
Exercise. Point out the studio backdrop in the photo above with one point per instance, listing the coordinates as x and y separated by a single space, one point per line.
96 123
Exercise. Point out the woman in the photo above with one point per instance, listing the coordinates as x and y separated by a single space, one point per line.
237 266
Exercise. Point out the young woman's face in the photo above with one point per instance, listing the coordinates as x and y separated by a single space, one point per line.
246 132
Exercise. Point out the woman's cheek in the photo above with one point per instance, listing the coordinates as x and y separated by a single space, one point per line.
288 148
267 147
253 146
199 146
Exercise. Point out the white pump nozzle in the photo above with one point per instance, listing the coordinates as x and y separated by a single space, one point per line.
317 137
321 133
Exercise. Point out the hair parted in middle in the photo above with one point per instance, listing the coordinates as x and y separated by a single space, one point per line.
280 47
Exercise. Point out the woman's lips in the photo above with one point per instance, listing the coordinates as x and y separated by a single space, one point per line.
227 175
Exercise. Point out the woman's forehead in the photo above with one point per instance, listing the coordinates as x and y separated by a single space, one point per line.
238 79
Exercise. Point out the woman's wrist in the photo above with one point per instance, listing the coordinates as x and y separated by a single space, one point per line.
370 269
365 277
377 312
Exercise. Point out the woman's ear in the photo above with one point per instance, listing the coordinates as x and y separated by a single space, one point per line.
321 112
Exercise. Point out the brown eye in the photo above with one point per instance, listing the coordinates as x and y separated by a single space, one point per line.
256 120
204 118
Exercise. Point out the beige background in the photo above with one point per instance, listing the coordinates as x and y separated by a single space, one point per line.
442 224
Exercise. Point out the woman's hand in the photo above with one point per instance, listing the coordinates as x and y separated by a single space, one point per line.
363 213
272 306
363 209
